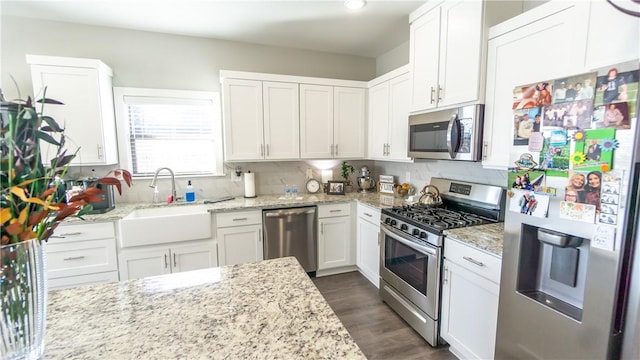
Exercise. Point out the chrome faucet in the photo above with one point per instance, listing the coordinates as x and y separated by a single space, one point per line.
173 182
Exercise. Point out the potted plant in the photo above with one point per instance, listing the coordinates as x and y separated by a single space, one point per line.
31 209
345 171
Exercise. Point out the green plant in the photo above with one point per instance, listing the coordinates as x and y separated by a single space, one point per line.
29 205
345 171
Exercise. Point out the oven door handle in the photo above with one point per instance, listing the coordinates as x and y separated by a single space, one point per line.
454 121
398 237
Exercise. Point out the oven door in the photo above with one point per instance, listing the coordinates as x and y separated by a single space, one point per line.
412 269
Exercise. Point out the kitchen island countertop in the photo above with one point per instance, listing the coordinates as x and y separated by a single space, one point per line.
265 310
485 237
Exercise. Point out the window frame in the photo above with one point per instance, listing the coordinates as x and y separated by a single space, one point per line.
123 130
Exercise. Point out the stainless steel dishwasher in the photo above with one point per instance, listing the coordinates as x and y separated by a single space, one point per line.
292 232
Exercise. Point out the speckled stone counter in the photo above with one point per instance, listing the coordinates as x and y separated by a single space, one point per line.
261 202
486 237
264 310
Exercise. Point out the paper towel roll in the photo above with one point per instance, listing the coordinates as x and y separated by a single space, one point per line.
249 185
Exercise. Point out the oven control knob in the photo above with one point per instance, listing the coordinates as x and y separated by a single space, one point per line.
416 232
423 235
387 221
404 227
393 223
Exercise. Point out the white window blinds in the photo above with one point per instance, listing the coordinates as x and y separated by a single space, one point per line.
177 132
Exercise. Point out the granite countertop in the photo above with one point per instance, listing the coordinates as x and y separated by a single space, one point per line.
261 202
485 237
264 310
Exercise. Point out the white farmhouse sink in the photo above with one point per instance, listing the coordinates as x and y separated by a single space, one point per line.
166 224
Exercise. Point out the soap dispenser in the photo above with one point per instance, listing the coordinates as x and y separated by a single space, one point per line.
190 194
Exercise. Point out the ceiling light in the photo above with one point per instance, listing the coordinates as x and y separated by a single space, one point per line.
355 4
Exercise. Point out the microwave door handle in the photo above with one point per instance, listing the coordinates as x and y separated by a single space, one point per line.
453 122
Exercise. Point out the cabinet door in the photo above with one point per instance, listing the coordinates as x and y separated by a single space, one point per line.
136 264
469 313
507 68
619 44
348 122
243 120
316 121
239 245
81 280
399 118
424 45
80 116
378 120
460 51
193 257
281 120
334 242
368 259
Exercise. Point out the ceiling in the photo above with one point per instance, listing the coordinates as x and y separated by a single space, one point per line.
310 25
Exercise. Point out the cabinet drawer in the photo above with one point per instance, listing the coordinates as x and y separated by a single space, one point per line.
72 281
472 259
334 210
81 258
369 214
84 231
239 218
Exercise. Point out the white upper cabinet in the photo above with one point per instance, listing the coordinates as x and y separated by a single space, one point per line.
281 117
261 120
389 115
543 27
85 88
613 43
331 122
281 120
447 44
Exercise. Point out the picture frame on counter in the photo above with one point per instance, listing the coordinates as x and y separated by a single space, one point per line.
335 187
386 187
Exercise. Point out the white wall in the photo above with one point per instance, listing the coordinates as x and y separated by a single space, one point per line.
392 59
145 59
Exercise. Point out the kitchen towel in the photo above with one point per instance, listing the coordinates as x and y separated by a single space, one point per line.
249 185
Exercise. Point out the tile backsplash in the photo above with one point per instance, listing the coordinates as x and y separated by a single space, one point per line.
271 177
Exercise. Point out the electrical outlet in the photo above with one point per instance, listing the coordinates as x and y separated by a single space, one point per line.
407 177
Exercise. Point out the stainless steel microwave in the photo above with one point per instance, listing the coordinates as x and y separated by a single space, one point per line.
453 134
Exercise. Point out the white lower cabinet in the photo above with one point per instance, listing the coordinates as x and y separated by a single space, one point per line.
136 263
470 289
334 236
368 246
239 237
79 254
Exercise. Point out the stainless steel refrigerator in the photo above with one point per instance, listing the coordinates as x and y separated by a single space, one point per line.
570 280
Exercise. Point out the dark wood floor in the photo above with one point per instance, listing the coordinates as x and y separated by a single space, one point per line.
380 333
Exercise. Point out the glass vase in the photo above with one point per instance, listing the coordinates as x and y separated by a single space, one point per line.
23 291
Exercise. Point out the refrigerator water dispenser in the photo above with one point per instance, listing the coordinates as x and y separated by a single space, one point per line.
552 269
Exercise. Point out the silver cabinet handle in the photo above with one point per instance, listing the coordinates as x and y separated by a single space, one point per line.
267 150
175 263
440 93
331 149
70 234
259 235
99 151
74 258
336 147
261 149
166 264
473 261
334 211
239 219
485 148
388 149
367 214
445 280
433 93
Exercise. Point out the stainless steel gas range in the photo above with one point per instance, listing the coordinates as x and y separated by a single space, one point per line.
412 242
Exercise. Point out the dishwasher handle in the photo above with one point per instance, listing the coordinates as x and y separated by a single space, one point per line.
289 212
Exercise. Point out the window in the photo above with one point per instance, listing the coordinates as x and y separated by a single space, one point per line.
169 128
